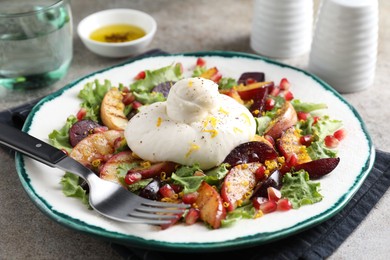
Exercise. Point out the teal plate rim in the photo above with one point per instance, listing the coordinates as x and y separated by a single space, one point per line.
238 243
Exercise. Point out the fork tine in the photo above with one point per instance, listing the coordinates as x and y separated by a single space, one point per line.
147 209
150 221
154 203
151 215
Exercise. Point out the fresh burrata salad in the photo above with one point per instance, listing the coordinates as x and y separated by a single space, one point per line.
230 148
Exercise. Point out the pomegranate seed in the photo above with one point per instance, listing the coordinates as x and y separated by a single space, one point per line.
140 75
269 104
273 194
132 178
260 172
81 114
284 84
302 115
284 204
200 62
177 188
249 81
275 91
192 216
136 104
306 140
340 134
167 191
257 201
268 207
316 118
190 198
292 160
288 96
331 141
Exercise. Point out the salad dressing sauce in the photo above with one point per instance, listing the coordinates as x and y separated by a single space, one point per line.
117 33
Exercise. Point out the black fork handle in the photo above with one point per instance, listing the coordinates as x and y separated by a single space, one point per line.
30 146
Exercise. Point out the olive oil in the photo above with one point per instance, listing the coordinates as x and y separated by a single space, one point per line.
117 33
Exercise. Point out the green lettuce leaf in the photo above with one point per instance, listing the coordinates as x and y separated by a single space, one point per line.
60 138
154 77
215 175
307 107
318 150
244 212
147 98
226 83
300 190
71 188
92 96
185 176
198 71
262 124
324 126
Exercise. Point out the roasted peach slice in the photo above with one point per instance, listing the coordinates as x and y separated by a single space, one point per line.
109 170
289 144
238 184
97 147
286 118
210 205
112 110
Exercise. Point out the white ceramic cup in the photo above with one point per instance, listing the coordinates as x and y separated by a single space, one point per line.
282 28
345 43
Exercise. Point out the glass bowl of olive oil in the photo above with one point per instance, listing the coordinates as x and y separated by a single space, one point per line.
117 32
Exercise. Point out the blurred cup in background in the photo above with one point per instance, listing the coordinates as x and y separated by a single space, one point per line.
36 42
282 28
345 42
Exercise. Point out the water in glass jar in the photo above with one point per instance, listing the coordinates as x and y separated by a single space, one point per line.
35 49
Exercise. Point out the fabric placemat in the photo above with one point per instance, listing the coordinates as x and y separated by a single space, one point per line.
318 242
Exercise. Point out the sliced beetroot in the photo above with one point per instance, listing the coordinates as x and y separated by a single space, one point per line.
259 101
251 77
164 88
318 168
80 130
251 152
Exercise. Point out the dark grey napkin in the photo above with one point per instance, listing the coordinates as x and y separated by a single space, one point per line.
318 242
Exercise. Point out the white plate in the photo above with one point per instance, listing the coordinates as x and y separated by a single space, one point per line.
356 151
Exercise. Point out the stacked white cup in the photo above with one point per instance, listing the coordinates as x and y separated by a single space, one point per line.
282 28
344 46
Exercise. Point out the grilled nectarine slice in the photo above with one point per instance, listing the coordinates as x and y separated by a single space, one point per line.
238 184
286 118
210 205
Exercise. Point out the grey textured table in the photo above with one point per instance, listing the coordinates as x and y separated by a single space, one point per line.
183 26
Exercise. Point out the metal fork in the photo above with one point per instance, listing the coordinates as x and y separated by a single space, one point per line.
107 198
